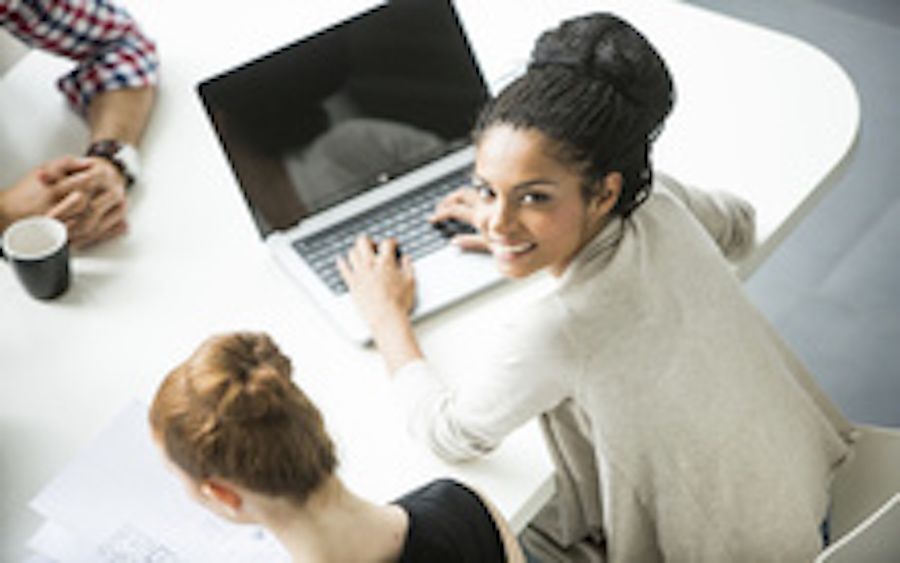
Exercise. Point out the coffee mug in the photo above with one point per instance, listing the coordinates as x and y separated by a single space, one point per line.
38 249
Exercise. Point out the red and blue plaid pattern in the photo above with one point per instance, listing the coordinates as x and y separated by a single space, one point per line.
111 51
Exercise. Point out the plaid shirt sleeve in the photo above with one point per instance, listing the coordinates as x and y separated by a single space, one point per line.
111 51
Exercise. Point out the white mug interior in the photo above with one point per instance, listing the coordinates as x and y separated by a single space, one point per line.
34 238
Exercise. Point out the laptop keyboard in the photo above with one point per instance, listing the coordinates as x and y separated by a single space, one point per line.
403 218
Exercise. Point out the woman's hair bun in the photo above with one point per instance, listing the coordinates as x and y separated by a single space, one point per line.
232 411
601 91
605 48
260 383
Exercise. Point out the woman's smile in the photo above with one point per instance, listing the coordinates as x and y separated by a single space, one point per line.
530 204
509 251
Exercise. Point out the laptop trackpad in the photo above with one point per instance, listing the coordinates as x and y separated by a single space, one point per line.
449 274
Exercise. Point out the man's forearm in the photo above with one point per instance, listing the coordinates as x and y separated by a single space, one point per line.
120 114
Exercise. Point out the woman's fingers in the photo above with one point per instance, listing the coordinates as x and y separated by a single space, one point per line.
388 252
361 253
459 205
406 266
453 212
346 272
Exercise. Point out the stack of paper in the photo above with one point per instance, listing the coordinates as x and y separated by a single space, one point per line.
117 502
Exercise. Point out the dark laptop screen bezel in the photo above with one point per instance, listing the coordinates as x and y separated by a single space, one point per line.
408 60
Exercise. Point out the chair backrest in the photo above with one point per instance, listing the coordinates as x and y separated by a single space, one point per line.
875 540
867 481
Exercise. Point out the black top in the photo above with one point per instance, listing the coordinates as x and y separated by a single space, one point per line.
449 523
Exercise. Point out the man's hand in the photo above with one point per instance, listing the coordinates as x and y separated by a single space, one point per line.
103 215
87 194
34 195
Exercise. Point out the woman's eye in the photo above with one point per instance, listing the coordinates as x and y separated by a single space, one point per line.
484 192
535 198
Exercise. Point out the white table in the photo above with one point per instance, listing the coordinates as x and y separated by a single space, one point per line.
758 113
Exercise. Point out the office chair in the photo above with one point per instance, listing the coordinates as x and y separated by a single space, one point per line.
874 540
865 509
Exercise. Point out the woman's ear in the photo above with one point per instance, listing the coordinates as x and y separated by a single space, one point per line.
222 495
606 194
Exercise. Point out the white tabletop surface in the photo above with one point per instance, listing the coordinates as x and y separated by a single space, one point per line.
758 113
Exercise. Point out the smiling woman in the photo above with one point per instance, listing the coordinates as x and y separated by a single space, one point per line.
531 208
682 427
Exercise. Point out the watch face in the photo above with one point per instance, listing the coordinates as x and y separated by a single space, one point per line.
130 160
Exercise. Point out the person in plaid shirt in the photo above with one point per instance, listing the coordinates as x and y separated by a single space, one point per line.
113 87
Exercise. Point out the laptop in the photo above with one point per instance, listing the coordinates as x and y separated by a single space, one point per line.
359 128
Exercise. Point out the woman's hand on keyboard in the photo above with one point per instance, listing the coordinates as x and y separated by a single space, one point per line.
383 288
459 207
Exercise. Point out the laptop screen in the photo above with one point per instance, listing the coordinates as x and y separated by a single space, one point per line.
346 109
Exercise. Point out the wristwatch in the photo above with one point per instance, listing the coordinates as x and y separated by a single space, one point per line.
123 156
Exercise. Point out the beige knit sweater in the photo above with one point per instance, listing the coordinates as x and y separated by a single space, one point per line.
682 427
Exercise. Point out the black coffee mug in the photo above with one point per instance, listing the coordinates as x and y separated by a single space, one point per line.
38 249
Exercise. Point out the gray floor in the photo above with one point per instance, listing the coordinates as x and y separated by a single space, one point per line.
833 288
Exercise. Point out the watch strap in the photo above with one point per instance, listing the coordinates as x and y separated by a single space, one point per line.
122 155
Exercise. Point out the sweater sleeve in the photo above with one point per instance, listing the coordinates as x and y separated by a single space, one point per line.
729 220
469 418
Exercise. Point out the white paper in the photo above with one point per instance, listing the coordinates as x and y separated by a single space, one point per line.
117 495
56 544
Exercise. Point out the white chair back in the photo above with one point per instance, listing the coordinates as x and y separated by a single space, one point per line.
875 540
867 481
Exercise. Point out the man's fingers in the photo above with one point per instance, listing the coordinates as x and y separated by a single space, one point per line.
73 205
106 201
82 181
86 239
113 221
97 218
74 211
59 168
93 211
110 230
